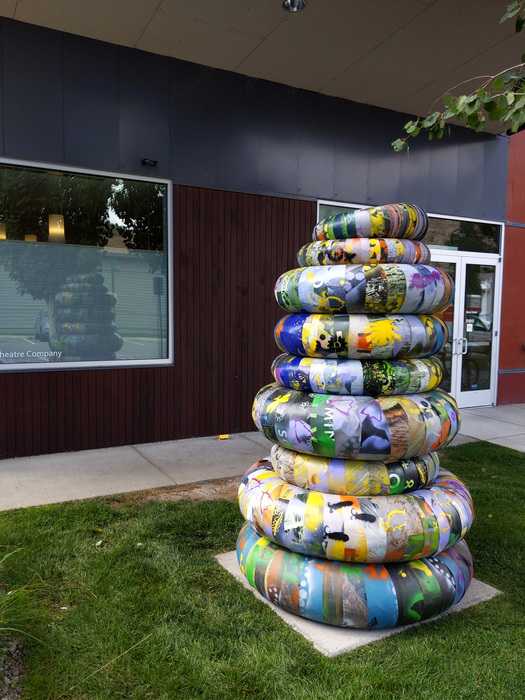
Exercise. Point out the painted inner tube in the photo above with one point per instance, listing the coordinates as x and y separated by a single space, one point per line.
362 596
86 344
86 328
83 287
385 428
101 300
357 377
370 529
361 336
374 289
363 251
74 315
354 477
388 221
86 278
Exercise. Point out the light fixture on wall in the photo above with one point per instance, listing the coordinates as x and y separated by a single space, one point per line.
57 233
3 233
294 5
31 237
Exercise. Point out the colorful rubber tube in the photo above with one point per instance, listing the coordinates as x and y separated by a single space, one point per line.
97 345
354 477
363 251
357 377
360 596
370 289
371 529
386 428
96 299
361 336
388 221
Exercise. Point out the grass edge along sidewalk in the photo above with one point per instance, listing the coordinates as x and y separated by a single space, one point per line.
131 604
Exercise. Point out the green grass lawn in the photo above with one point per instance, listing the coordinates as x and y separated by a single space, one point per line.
131 604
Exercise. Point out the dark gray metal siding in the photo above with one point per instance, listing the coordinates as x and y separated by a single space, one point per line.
86 103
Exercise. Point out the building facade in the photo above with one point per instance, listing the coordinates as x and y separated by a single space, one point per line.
249 165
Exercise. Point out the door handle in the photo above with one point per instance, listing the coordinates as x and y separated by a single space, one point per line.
461 346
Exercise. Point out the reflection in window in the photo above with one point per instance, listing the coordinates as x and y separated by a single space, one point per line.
83 268
469 236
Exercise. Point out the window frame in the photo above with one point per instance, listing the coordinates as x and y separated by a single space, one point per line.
117 363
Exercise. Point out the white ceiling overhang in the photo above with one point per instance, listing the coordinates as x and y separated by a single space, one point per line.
402 55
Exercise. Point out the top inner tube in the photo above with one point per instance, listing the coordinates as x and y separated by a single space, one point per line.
388 221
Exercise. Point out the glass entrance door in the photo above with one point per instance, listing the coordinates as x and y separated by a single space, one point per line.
470 356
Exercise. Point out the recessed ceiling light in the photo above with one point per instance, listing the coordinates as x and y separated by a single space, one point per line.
294 5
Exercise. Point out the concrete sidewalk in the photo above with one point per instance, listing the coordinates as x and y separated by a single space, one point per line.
30 481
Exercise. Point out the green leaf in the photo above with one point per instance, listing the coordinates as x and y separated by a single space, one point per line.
447 99
430 120
399 145
520 103
510 98
520 23
499 83
461 102
502 102
480 126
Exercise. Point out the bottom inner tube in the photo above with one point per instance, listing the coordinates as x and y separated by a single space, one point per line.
361 596
100 345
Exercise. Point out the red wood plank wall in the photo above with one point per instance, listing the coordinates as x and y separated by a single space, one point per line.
511 381
229 249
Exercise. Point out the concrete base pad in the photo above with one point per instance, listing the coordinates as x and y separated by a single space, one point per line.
332 641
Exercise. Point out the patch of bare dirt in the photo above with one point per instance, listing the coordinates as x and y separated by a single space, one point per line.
201 491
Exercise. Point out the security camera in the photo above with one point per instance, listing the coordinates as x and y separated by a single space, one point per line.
149 161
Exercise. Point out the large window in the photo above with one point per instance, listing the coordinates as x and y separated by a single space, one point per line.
84 269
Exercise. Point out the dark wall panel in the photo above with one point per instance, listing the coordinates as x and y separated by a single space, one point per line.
91 103
236 128
193 136
33 94
384 183
143 111
278 138
351 153
75 101
316 145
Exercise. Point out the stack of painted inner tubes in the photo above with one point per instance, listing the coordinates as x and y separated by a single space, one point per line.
85 320
352 521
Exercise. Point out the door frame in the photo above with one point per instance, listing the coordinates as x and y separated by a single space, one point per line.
482 397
